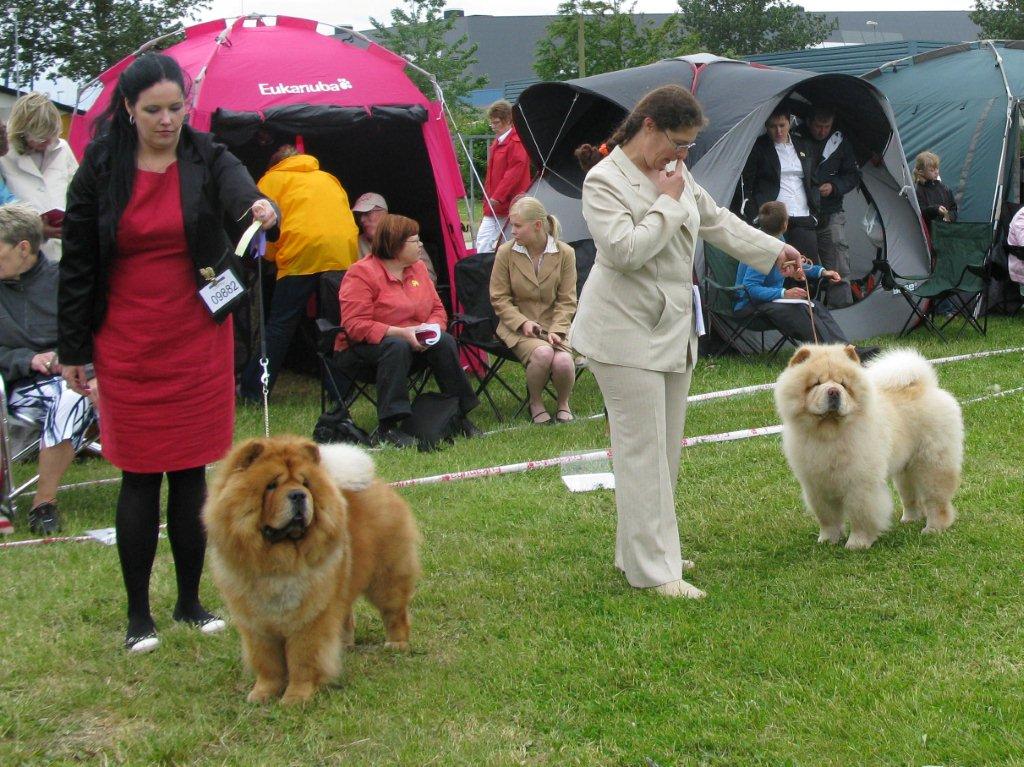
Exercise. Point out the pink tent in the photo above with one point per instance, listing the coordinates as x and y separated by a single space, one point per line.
258 84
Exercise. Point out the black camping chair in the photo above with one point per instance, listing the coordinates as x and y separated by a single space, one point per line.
721 294
474 329
959 280
344 381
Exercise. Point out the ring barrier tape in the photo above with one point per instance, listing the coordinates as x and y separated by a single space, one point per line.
545 463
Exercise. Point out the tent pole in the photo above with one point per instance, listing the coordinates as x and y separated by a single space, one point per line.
1010 109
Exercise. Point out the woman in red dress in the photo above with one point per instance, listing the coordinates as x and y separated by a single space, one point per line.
142 230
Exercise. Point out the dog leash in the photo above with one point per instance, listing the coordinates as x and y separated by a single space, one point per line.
257 246
810 306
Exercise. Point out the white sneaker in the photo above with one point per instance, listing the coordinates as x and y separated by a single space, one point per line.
142 644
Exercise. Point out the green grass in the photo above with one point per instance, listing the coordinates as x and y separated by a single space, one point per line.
529 647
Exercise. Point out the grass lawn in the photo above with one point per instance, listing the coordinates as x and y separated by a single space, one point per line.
530 648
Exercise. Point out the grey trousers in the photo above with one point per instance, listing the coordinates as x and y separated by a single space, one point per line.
835 254
646 413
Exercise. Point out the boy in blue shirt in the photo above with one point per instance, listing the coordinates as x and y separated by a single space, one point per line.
768 295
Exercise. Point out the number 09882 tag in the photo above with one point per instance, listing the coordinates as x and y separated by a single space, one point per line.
222 293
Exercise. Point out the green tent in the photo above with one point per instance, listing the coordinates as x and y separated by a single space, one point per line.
963 102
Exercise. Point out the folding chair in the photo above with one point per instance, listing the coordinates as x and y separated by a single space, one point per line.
474 329
721 294
959 279
345 382
12 427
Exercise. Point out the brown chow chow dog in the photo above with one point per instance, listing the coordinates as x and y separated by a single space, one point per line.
297 532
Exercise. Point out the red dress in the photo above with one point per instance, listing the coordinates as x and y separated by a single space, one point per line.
164 367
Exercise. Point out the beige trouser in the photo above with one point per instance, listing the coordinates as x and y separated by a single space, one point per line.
646 412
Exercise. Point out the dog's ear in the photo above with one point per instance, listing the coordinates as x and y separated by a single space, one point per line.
246 454
311 449
851 352
800 355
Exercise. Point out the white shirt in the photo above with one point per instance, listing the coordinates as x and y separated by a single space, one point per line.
44 188
550 247
791 181
503 136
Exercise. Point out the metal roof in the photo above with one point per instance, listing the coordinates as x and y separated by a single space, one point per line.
847 59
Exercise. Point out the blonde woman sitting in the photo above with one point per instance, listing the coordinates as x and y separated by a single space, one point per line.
533 291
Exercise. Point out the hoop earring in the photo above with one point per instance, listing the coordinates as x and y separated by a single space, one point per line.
131 119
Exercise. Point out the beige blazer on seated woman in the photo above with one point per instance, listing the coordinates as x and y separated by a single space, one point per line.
519 294
636 309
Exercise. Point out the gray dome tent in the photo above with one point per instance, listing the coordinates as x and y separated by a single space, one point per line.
554 118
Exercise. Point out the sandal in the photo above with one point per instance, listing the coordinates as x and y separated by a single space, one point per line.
568 416
541 417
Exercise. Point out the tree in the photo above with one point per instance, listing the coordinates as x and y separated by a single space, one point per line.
613 38
999 19
78 39
420 32
745 27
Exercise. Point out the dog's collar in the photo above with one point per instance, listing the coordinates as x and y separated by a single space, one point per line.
295 530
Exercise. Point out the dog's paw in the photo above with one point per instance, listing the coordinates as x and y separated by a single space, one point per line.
830 536
397 646
349 466
931 529
911 515
858 541
263 693
296 694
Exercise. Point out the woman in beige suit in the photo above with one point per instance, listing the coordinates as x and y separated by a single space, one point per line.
533 291
635 320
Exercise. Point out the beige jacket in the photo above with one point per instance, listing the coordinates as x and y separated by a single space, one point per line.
518 295
45 189
636 308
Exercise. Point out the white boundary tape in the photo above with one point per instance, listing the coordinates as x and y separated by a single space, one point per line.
544 463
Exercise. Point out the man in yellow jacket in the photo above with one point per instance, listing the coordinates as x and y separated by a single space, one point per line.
318 235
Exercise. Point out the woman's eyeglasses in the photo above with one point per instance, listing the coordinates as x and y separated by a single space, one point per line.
679 147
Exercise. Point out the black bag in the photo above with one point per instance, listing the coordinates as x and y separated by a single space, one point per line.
435 419
336 425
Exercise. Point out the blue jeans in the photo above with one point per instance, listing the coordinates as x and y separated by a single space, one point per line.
291 295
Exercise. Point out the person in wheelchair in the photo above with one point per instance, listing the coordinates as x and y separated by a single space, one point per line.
533 292
29 365
393 321
786 307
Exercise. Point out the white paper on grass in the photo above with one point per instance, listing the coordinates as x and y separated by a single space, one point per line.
105 535
583 483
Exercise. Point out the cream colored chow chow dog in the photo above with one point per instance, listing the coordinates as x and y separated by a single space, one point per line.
848 429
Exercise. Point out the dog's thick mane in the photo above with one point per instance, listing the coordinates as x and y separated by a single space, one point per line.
902 369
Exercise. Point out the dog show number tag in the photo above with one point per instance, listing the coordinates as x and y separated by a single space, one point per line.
221 291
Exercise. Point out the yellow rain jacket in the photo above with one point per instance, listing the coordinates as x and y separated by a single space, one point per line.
318 231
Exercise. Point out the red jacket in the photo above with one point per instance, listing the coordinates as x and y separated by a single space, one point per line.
508 174
372 300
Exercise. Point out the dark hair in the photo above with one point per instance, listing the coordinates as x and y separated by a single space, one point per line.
823 112
114 127
670 107
773 218
392 232
781 110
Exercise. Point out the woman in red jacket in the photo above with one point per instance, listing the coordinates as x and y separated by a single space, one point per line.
387 300
508 176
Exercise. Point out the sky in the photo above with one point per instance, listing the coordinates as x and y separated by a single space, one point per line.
358 14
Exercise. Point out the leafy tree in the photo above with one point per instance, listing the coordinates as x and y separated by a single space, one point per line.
746 27
78 39
999 19
98 33
613 38
28 35
419 32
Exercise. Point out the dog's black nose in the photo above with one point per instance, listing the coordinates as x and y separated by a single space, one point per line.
297 497
833 398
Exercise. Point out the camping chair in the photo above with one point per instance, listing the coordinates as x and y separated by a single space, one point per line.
474 329
19 440
960 279
721 294
344 383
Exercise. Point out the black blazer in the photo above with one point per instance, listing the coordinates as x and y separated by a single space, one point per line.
763 173
216 190
839 169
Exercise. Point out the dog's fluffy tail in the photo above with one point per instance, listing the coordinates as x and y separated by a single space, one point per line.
350 467
902 368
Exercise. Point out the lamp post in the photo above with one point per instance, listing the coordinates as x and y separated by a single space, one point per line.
874 29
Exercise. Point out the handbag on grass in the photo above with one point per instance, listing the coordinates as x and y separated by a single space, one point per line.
435 419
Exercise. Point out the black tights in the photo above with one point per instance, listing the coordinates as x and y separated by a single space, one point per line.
138 525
